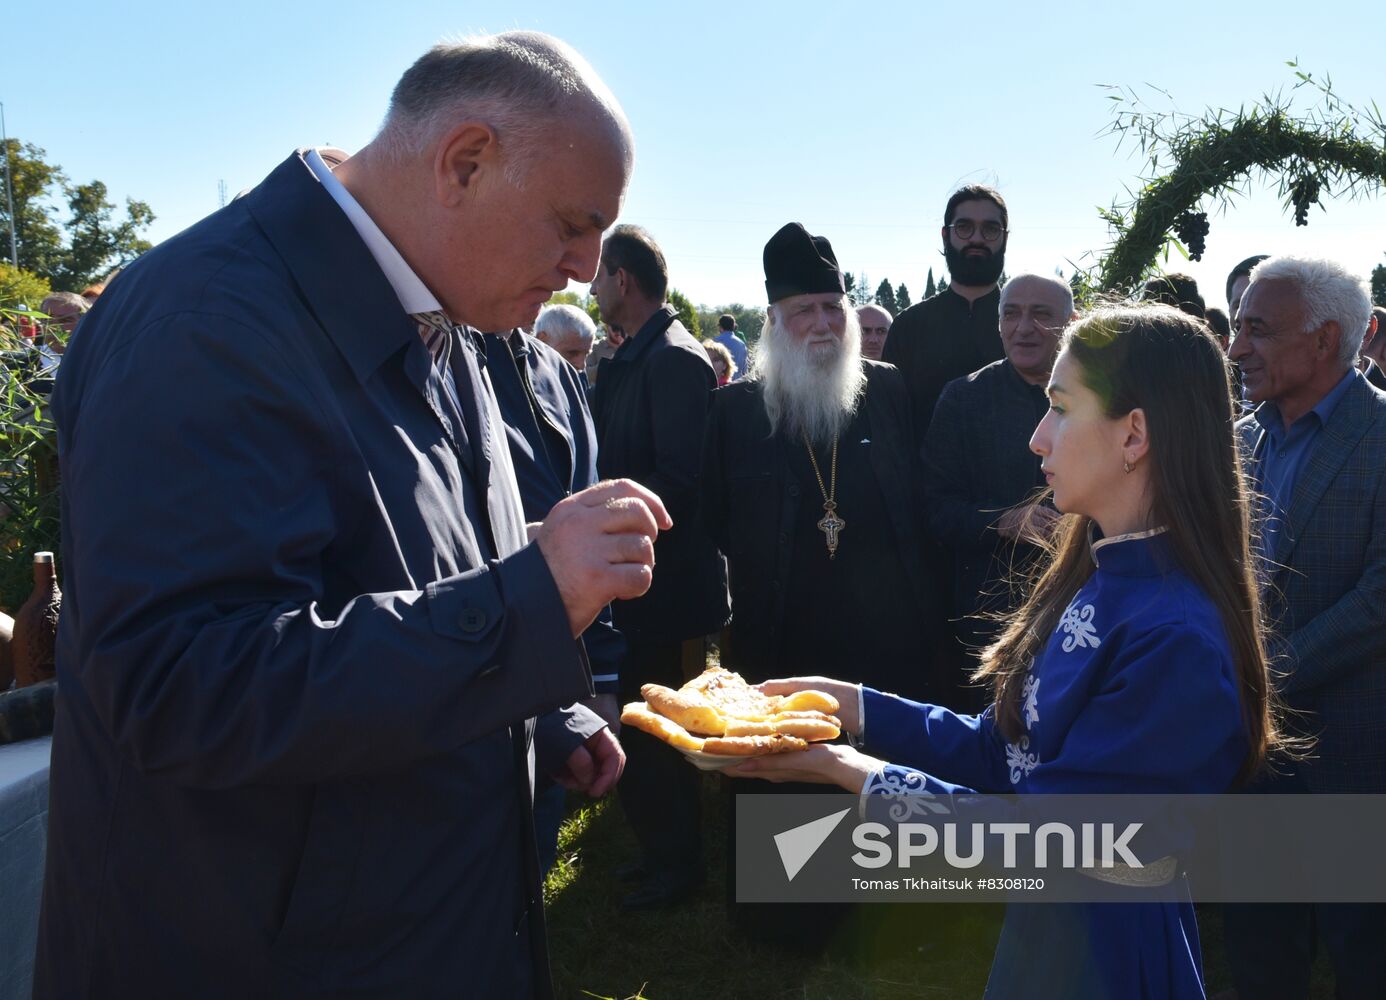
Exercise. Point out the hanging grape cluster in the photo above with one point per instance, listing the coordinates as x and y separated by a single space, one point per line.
1303 193
1192 230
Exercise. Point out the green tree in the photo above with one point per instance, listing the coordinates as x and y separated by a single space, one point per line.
861 291
749 320
73 253
849 280
1379 286
885 296
930 290
98 241
584 302
39 237
902 297
19 287
688 316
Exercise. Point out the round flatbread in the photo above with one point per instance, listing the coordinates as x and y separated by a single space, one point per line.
689 709
812 701
729 693
751 746
637 715
813 730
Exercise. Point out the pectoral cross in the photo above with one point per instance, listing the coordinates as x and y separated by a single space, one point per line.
831 525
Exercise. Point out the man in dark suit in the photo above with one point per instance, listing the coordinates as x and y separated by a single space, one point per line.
553 446
304 637
981 479
1315 448
650 404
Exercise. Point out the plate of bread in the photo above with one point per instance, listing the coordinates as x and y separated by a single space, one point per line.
717 719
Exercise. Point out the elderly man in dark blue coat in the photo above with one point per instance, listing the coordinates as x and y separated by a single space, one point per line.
305 637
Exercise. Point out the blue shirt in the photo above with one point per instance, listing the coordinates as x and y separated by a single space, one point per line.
737 346
1283 455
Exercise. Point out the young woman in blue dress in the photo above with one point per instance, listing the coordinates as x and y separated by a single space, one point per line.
1136 665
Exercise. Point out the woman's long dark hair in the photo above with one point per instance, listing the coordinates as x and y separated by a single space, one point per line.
1159 360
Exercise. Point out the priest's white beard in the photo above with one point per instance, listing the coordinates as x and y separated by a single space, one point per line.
811 390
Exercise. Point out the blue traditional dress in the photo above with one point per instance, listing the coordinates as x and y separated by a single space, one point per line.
1135 692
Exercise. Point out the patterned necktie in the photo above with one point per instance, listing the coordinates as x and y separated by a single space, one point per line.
506 514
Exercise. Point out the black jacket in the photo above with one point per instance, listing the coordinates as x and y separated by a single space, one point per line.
978 464
940 339
553 446
650 405
752 500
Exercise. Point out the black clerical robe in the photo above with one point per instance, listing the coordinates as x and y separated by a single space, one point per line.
940 339
865 614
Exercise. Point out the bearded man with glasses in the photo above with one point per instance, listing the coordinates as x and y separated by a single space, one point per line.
954 333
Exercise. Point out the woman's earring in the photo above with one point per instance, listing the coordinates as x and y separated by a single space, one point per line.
1126 465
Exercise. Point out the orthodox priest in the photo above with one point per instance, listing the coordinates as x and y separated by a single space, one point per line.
811 489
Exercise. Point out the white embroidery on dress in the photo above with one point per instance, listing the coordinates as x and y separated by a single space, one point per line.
1020 762
908 792
1030 692
1078 624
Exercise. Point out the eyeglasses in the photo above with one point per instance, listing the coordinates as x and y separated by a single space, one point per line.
964 228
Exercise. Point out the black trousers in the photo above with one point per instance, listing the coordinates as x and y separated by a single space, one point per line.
659 789
1270 947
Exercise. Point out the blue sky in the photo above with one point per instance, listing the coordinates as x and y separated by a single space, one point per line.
855 119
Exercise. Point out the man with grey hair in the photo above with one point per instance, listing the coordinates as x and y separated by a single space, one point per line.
982 479
810 488
304 635
64 310
1315 448
569 331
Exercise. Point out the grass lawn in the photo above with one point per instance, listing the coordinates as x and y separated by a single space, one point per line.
689 952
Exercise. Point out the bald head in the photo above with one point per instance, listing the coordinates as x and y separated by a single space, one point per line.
501 162
1034 311
875 325
519 83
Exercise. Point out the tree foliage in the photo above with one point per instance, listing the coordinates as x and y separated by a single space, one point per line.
688 316
1192 161
1379 286
584 302
860 293
74 252
20 288
885 296
902 297
749 320
28 478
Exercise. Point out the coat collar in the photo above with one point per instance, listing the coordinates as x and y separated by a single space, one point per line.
1336 441
1136 553
650 331
341 282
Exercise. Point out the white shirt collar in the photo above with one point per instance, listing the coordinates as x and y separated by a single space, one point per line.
413 294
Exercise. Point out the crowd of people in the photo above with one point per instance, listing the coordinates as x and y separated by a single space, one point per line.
359 570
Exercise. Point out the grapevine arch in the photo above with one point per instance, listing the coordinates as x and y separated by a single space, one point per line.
1331 149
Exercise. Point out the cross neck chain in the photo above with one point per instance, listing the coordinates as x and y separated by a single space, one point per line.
830 524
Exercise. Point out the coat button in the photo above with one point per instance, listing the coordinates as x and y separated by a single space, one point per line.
793 490
472 620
